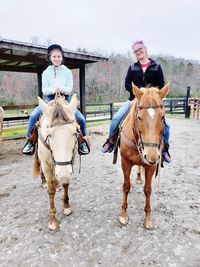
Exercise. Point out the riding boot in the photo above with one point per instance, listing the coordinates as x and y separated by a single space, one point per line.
83 145
29 147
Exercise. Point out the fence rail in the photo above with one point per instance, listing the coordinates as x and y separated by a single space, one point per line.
97 112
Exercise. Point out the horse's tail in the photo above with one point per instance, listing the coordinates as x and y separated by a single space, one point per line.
36 164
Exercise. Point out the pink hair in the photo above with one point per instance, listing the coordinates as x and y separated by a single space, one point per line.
138 42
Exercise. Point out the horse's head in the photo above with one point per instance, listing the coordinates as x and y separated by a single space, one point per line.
149 120
60 130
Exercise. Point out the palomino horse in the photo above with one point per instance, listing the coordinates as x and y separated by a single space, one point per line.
57 138
141 143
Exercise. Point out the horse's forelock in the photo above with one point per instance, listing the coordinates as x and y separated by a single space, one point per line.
58 114
150 97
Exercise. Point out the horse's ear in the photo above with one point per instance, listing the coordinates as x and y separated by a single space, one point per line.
164 91
45 108
136 91
73 104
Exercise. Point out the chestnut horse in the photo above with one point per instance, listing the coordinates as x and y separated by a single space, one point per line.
57 138
141 143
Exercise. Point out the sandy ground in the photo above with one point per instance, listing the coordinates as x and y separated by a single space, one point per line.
91 235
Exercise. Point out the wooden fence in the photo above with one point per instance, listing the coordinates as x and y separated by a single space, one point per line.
100 112
94 112
194 107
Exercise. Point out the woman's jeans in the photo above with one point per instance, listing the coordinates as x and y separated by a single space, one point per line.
123 111
37 112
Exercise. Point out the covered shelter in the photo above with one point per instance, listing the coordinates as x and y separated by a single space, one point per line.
25 57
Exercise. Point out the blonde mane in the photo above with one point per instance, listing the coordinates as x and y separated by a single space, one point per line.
59 113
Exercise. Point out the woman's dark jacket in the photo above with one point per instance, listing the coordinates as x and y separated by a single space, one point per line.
153 76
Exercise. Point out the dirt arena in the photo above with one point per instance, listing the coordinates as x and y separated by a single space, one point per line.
92 236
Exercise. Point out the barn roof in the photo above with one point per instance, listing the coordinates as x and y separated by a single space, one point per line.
26 57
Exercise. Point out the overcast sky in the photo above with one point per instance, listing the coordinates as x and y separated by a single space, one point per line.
170 27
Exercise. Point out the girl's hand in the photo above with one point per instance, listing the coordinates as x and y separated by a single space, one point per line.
56 90
62 91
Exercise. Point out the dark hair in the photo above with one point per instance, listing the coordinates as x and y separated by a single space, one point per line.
52 47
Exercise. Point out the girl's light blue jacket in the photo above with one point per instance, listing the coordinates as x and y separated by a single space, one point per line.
57 77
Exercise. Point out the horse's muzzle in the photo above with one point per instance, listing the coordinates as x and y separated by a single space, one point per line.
150 160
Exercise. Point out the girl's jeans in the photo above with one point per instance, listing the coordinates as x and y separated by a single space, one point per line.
37 112
123 111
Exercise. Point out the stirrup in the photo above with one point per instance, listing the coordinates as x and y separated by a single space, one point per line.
109 148
30 152
81 151
82 142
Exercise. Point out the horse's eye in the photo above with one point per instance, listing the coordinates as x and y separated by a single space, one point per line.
139 118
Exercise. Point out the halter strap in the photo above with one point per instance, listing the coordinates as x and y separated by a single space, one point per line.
60 123
151 144
140 142
144 107
62 163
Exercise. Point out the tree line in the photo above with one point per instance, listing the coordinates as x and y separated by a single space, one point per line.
104 80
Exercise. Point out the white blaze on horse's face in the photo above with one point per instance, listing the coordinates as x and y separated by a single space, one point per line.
62 141
151 112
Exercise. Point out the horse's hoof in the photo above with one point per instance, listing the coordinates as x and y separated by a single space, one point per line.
149 223
123 219
53 226
67 211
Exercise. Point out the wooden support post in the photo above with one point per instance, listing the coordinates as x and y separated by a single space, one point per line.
1 123
39 76
187 106
82 89
111 110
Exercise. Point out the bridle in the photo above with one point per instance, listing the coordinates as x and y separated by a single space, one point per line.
46 143
140 143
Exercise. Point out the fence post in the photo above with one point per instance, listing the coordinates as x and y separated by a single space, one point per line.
171 106
111 110
187 106
1 122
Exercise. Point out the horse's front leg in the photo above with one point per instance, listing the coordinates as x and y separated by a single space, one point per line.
53 222
148 220
66 207
126 167
48 172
